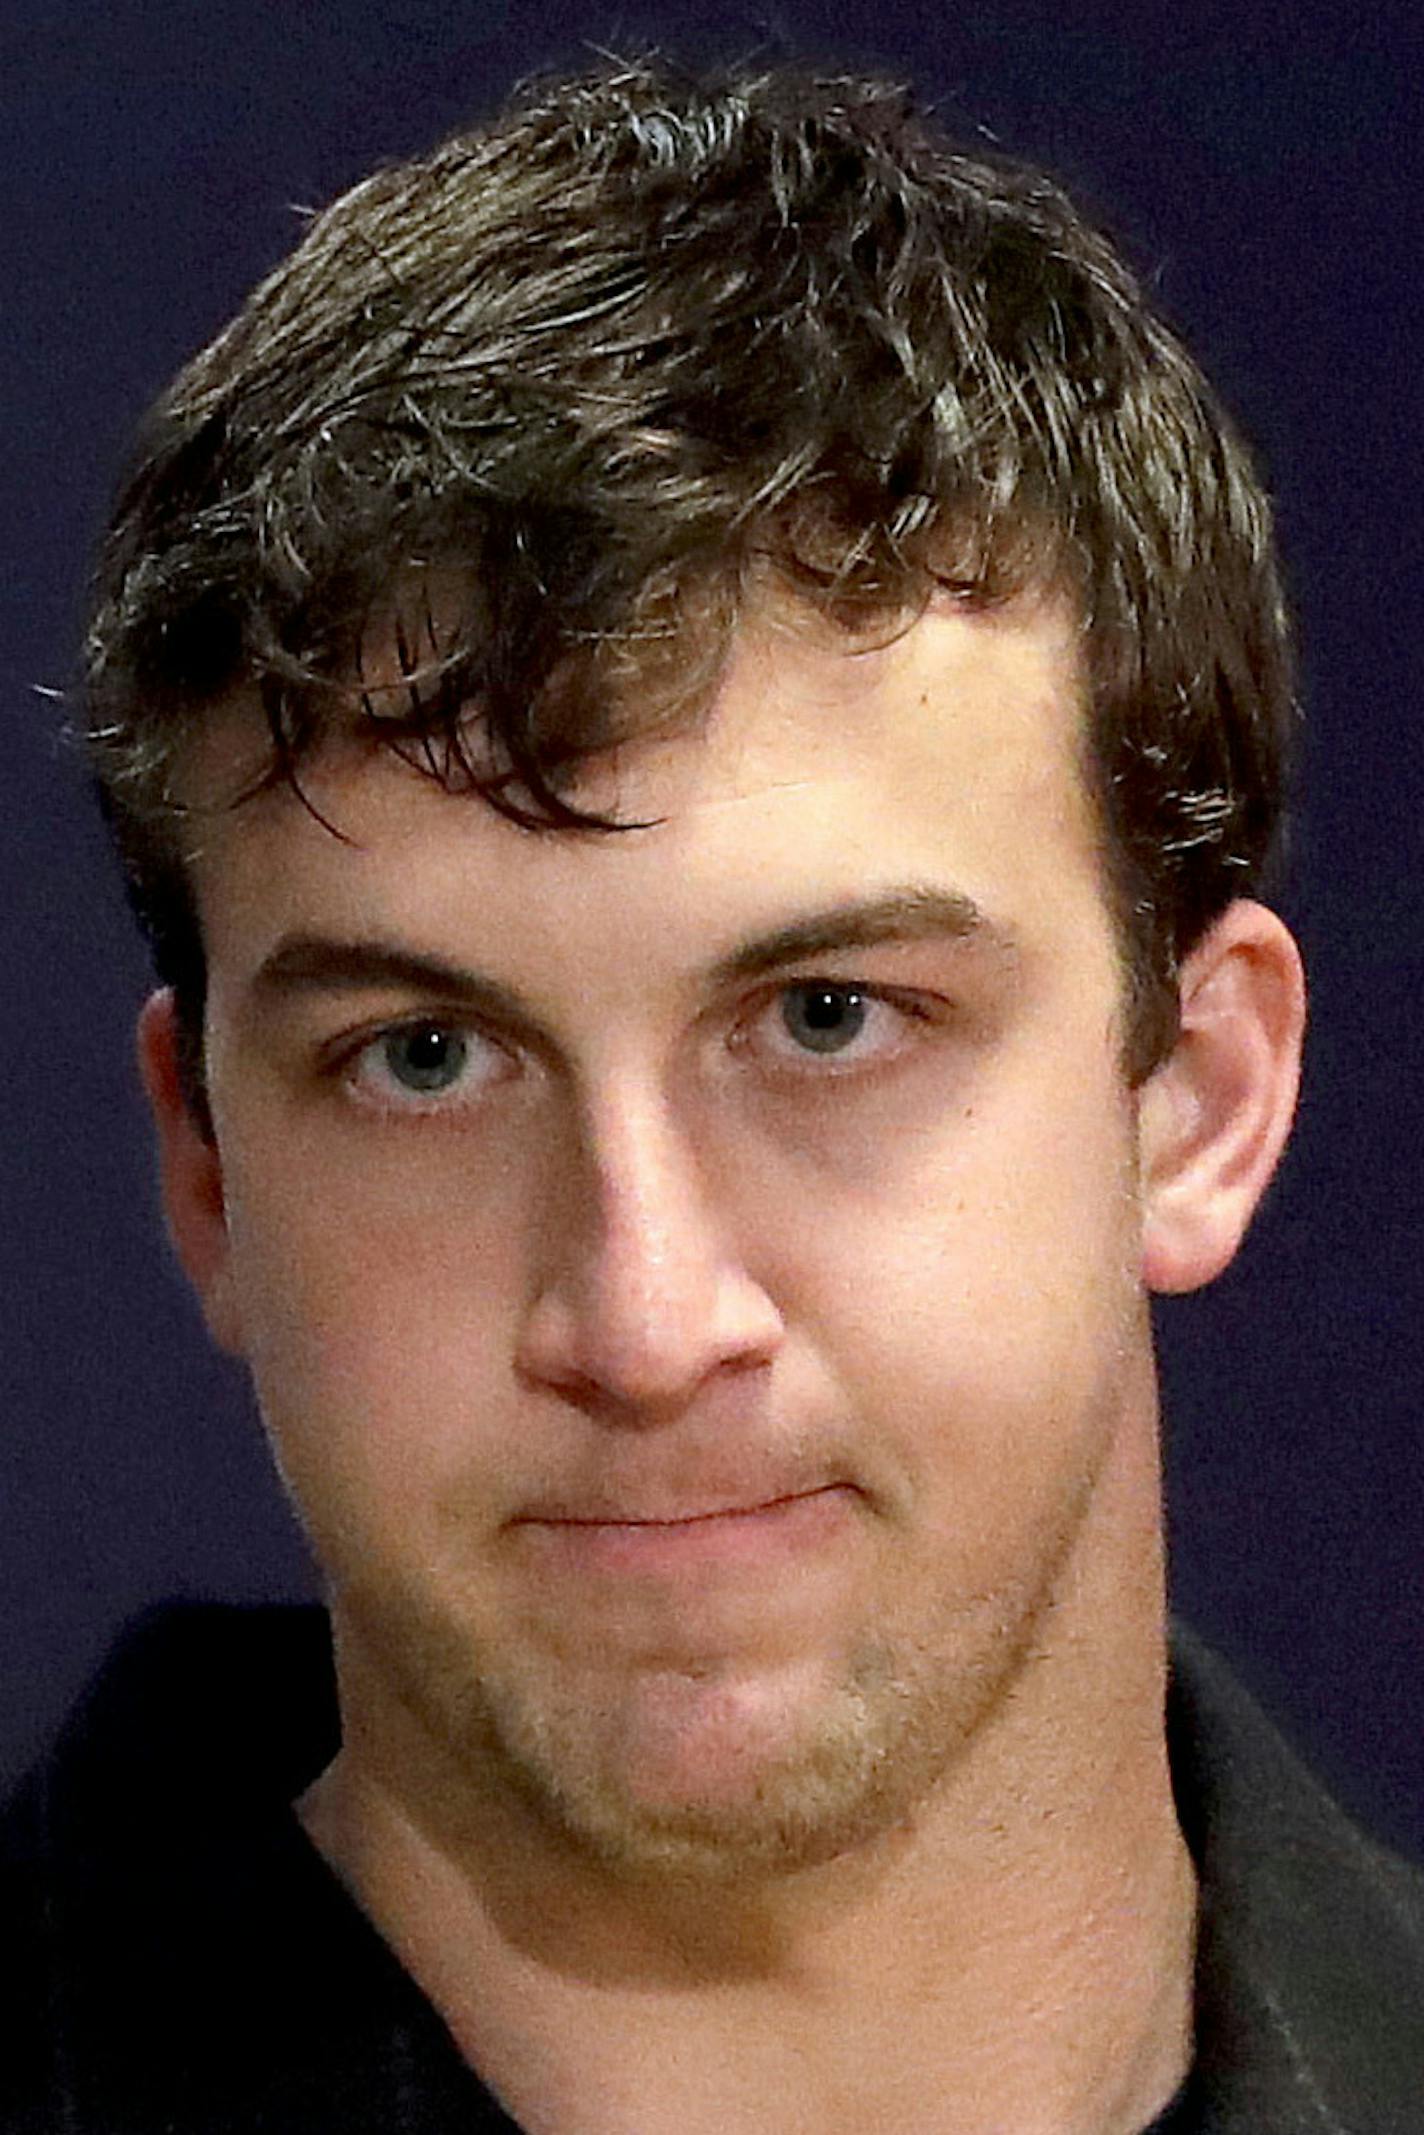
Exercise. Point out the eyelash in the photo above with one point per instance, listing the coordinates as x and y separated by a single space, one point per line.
790 1063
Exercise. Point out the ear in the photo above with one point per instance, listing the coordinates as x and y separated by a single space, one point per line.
190 1172
1213 1119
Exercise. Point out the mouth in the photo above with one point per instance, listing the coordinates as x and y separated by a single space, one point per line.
699 1537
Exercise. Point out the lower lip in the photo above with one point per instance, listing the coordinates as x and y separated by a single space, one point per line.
765 1535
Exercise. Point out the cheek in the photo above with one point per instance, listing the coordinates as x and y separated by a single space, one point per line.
974 1304
377 1332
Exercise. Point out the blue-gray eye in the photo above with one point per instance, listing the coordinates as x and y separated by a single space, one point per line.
824 1019
425 1057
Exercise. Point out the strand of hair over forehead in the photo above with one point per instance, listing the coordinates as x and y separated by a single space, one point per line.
640 332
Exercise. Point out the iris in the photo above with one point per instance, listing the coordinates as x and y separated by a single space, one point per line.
824 1019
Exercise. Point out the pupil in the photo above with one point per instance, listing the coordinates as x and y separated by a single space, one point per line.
824 1018
426 1058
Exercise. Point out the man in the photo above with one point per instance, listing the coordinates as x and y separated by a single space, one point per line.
694 696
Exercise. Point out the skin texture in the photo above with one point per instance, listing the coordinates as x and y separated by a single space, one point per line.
722 1400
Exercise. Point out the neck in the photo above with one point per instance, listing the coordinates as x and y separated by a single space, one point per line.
1017 1953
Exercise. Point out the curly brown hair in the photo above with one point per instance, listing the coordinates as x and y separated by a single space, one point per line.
591 372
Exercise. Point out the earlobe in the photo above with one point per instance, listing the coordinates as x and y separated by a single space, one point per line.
1213 1119
190 1171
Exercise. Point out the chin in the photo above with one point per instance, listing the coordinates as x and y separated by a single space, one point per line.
707 1771
723 1773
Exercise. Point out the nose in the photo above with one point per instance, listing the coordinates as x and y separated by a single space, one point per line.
641 1300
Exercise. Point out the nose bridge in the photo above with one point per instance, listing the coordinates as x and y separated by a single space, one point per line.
648 1197
643 1294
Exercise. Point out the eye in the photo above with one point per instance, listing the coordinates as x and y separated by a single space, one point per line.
842 1023
424 1066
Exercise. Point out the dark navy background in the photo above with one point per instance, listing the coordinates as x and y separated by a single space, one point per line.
1263 164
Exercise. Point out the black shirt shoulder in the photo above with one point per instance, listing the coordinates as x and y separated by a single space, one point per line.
176 1954
1310 1972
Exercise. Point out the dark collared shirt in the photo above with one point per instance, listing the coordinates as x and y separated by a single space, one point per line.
178 1960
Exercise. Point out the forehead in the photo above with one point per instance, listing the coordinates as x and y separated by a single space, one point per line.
823 766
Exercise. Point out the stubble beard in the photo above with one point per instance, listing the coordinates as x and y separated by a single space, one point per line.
899 1716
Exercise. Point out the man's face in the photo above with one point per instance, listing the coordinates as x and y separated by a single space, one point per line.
690 1274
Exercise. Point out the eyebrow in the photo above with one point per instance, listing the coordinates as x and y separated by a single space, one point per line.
912 913
317 963
306 963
